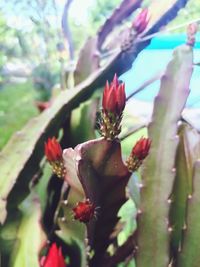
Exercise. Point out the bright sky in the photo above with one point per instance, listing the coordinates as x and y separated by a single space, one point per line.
78 11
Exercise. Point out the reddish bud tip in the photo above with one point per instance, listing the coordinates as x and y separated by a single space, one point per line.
54 258
191 32
141 148
114 98
53 150
141 21
42 105
84 211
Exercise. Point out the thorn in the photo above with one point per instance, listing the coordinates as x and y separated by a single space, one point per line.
173 170
179 247
170 229
63 219
139 211
140 185
167 221
65 202
176 136
184 226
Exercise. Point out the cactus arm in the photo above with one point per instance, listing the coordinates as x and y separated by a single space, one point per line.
161 13
158 173
126 8
104 177
189 256
88 60
187 153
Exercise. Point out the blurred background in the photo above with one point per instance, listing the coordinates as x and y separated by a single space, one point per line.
40 41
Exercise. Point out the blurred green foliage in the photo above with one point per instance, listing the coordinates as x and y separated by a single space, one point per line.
16 108
44 78
191 12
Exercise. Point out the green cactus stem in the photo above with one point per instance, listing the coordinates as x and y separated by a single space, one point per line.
188 152
159 172
190 256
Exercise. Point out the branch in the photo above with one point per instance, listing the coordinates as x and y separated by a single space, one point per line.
144 85
122 12
66 30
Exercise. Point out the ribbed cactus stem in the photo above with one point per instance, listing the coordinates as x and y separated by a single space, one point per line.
189 255
154 228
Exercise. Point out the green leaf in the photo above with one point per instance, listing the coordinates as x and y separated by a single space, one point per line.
127 215
30 235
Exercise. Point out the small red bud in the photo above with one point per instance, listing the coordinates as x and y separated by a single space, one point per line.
53 150
138 154
84 211
41 105
141 148
54 258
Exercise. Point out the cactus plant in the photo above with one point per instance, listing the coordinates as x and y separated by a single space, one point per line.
80 213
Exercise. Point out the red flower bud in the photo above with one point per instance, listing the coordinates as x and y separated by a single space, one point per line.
141 148
53 150
84 211
54 258
114 97
139 152
141 21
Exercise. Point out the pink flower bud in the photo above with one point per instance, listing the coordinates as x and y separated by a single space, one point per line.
141 21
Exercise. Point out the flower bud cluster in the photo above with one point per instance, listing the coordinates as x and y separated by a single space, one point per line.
113 104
